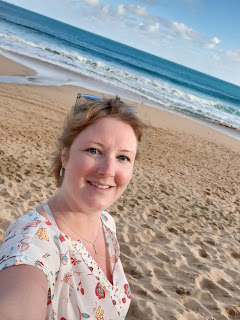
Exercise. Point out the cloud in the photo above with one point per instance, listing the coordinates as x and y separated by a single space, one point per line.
93 3
151 28
148 1
121 10
105 9
211 44
216 57
182 30
138 10
233 54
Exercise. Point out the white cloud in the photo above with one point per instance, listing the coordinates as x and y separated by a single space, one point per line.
233 54
105 9
149 27
182 30
93 3
153 27
121 10
216 57
148 1
211 44
138 10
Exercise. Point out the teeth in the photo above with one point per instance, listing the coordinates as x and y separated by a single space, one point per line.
98 186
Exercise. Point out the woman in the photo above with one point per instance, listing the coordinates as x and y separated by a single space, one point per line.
61 261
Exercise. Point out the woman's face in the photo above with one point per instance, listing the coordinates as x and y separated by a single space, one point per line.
99 165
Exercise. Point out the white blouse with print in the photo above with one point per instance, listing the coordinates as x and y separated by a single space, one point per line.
77 287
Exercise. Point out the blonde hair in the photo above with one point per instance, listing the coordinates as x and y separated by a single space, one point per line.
85 113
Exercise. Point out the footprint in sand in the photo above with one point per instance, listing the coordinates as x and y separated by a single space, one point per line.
219 293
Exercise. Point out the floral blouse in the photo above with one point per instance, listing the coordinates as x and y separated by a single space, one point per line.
77 287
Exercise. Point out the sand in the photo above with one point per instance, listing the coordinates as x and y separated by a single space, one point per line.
178 223
9 67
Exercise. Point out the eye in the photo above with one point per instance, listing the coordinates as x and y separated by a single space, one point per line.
93 151
124 158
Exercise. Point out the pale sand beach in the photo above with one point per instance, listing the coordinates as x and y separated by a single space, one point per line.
178 223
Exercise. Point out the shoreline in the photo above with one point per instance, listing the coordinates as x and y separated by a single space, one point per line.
43 73
9 67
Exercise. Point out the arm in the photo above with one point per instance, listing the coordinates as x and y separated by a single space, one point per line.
23 293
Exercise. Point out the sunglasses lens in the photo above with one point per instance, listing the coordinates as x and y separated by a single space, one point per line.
89 96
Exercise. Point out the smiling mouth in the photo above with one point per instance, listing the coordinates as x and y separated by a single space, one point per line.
99 185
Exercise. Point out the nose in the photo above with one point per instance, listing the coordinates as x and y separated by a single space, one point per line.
107 167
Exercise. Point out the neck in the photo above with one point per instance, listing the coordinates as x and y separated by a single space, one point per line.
71 212
77 225
62 204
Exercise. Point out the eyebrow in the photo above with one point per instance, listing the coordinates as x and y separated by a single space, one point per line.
102 145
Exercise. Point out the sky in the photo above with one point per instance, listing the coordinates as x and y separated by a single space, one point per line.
201 34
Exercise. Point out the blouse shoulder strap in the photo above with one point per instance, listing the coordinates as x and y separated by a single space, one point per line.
49 214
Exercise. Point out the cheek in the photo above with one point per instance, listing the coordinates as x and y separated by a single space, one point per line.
77 168
125 176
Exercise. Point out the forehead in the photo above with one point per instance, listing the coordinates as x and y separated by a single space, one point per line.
109 132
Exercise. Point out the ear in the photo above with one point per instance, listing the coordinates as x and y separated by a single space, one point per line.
64 156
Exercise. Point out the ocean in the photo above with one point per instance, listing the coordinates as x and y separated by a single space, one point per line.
109 64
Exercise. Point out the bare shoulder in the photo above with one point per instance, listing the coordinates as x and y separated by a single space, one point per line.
23 293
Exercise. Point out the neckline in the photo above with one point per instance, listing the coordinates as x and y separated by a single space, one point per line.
86 254
52 219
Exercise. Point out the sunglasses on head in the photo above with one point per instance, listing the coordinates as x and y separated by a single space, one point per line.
92 97
88 96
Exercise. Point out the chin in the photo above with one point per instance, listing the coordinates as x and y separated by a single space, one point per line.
98 207
99 204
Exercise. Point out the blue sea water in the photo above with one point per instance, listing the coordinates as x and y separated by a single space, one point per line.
111 63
